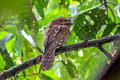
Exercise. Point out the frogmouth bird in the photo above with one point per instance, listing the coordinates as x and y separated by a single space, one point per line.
55 36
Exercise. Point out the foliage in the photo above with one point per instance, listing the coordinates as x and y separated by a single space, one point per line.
22 19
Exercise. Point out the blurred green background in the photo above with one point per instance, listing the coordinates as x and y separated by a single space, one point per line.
22 27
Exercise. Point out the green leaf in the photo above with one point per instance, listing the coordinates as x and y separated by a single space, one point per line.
118 29
108 29
87 24
3 63
18 43
85 4
2 34
13 7
10 28
5 40
71 69
71 38
40 5
40 38
4 52
44 77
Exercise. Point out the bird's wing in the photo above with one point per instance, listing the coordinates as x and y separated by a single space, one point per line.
50 35
62 36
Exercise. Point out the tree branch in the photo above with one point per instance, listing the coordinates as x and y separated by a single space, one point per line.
105 52
74 47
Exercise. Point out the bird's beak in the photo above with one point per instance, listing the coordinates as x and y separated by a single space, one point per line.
70 22
67 22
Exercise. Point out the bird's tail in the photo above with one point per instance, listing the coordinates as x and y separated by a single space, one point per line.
47 61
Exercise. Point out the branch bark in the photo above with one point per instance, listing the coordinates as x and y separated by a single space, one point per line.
74 47
105 52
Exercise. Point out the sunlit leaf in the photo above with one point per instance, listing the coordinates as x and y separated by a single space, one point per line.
108 29
4 41
71 69
18 44
3 63
83 27
4 52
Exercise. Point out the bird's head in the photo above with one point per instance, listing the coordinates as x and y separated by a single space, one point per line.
62 21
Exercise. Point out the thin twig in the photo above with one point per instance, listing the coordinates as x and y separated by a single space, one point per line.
81 12
105 3
105 52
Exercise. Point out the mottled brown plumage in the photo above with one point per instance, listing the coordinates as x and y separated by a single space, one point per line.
55 36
